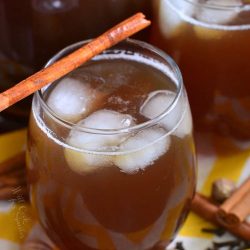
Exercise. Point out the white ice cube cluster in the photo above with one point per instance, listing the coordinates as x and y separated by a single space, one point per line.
173 14
102 119
128 151
76 101
132 152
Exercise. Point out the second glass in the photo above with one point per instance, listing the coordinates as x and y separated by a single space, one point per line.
111 161
209 40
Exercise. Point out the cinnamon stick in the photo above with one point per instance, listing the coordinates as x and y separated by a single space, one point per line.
239 212
236 208
13 163
204 208
60 68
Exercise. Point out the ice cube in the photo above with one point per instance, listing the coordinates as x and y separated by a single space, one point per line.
157 103
72 99
101 119
216 15
177 119
86 162
142 149
108 119
170 16
97 143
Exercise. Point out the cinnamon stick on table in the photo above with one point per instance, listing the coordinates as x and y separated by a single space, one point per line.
204 208
236 208
60 68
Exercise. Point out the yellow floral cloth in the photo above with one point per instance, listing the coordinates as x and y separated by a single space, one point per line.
217 157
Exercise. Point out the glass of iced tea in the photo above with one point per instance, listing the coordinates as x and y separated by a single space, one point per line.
210 40
111 161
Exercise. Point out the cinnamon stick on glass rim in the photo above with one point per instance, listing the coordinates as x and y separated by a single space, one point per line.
208 211
236 208
60 68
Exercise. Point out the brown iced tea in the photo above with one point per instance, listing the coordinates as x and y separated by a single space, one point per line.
111 156
210 43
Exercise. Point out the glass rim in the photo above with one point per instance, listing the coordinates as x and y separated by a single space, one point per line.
151 122
220 6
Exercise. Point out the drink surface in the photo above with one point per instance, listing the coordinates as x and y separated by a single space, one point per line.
31 31
127 190
211 46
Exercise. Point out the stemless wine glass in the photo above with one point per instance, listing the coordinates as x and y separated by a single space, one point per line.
111 160
209 40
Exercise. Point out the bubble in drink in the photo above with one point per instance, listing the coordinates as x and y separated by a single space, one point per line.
145 147
101 119
73 99
112 80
